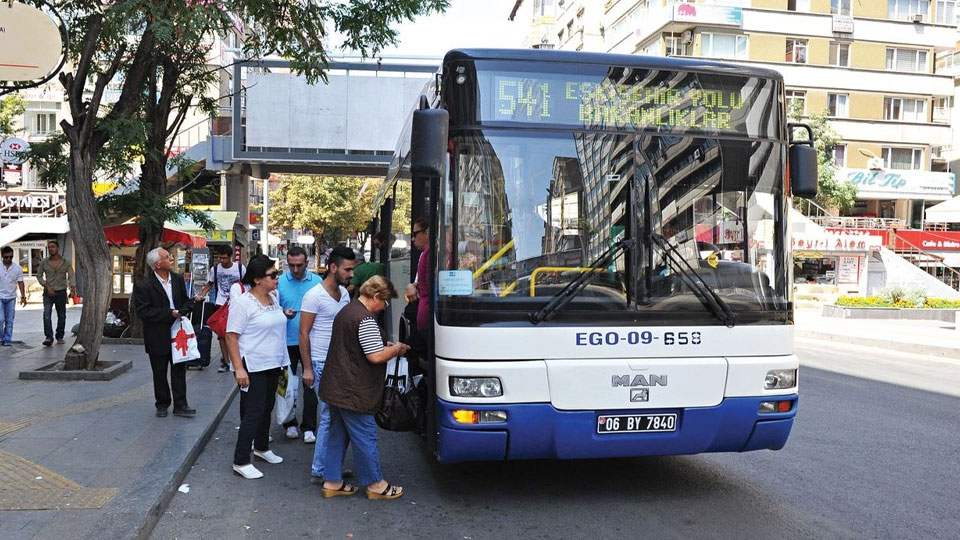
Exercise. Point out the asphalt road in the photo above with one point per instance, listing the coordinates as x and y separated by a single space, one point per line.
870 458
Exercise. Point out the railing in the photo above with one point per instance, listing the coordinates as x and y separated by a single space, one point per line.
189 136
853 222
926 261
812 210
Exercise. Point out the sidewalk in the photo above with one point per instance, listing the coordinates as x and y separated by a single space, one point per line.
934 338
90 459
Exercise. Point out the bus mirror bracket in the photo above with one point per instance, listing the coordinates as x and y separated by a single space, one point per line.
428 141
803 163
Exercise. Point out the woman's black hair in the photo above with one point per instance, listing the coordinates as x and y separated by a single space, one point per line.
257 269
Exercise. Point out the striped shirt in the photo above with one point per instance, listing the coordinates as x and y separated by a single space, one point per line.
370 339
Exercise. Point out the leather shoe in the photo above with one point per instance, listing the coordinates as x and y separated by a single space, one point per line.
185 412
161 413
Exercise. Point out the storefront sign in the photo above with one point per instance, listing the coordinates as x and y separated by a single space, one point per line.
708 14
214 236
13 151
909 239
848 269
843 24
27 201
834 242
899 184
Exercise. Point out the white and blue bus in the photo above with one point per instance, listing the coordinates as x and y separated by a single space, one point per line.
611 266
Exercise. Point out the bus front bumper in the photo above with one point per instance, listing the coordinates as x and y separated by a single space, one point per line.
540 431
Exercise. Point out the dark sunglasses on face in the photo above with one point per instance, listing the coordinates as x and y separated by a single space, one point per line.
272 275
416 232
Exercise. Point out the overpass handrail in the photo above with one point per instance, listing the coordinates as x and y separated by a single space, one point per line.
856 222
913 249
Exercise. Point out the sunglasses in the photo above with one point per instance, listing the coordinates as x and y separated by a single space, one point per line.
415 233
272 275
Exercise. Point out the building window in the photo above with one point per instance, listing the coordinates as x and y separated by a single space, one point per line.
673 45
798 5
797 51
905 109
44 123
942 108
840 155
797 96
840 7
837 105
945 11
914 60
902 158
839 54
723 45
543 8
904 10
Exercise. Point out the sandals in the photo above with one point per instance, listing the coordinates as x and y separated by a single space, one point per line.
344 490
390 492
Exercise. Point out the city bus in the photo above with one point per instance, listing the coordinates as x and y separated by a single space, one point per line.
610 257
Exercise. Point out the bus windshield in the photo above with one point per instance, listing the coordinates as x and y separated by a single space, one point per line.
525 212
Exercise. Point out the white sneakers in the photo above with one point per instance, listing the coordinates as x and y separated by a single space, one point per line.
292 432
248 471
309 437
267 456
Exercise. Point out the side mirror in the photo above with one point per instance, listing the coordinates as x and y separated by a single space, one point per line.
428 141
803 164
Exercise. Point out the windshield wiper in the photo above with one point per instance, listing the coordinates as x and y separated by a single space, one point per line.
717 305
566 294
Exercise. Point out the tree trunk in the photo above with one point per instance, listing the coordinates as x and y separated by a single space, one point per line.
93 257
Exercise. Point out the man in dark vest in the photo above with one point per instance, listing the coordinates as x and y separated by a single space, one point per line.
160 298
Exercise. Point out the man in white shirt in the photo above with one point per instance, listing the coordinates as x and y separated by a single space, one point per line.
224 275
319 307
11 277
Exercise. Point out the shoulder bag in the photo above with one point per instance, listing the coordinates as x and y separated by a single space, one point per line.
218 319
400 408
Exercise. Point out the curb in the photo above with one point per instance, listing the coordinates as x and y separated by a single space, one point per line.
145 529
916 348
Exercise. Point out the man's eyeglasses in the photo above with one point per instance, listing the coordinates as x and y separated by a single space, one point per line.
272 275
416 232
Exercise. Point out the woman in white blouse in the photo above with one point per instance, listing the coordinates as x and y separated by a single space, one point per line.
256 340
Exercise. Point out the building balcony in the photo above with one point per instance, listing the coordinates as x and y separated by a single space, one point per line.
865 80
893 133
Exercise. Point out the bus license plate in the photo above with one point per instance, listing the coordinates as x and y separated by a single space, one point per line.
636 423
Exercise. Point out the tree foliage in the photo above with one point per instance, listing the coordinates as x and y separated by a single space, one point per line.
830 193
11 107
332 207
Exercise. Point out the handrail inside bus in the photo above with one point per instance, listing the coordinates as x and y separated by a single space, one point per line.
553 269
496 256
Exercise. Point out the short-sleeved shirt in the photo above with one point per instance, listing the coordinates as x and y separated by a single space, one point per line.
262 332
318 301
292 292
9 277
365 271
224 277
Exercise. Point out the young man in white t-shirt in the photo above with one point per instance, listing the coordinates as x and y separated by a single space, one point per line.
319 307
224 275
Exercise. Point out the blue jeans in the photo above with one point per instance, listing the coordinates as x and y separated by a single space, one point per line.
9 310
361 430
323 425
60 299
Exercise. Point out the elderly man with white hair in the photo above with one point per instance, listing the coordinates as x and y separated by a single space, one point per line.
160 299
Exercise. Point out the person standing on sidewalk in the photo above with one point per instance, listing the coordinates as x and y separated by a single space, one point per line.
11 277
319 309
55 275
160 300
368 269
223 276
293 285
256 338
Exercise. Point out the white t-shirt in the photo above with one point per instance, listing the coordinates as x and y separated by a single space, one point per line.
262 330
237 290
225 277
318 301
9 277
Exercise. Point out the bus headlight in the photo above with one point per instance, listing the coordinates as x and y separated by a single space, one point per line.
475 387
780 378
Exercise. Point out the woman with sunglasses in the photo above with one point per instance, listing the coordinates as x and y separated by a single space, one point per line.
352 387
256 340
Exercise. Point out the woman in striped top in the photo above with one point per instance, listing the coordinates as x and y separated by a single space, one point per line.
352 386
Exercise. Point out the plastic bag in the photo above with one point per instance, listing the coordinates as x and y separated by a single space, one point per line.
287 388
183 341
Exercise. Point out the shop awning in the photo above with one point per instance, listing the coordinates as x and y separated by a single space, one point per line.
945 212
225 223
129 235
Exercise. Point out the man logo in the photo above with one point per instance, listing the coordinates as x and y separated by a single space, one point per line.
638 395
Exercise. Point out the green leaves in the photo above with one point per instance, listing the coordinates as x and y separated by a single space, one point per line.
830 193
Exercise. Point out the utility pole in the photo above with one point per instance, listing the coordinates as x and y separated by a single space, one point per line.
265 236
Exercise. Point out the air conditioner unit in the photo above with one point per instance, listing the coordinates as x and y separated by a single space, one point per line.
686 37
875 164
917 17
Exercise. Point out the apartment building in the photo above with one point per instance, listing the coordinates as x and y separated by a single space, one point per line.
870 64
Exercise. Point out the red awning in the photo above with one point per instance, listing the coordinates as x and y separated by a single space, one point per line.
129 235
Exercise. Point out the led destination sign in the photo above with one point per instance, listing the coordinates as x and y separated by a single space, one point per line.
688 104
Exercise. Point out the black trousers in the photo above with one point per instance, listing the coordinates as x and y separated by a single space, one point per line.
178 380
309 422
256 405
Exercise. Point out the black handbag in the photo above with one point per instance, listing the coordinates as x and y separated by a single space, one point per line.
400 411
